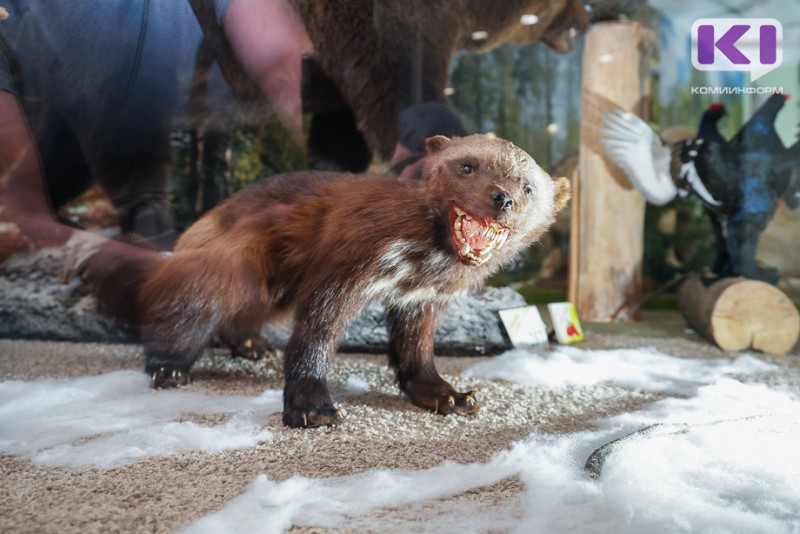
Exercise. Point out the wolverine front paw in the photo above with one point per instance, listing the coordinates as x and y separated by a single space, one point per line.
442 399
326 415
307 404
167 377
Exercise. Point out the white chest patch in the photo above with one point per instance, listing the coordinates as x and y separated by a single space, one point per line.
396 269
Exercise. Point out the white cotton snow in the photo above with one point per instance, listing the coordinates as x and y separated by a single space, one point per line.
639 369
723 400
735 476
732 476
116 418
269 506
356 385
730 468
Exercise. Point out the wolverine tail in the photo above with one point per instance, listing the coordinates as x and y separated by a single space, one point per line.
114 274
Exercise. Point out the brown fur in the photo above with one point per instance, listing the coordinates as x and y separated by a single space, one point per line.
325 244
384 56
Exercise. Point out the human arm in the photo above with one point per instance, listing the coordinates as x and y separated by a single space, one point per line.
268 38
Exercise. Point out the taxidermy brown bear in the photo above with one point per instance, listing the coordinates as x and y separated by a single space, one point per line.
377 58
325 244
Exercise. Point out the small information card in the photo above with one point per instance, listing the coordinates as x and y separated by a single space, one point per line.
565 322
524 326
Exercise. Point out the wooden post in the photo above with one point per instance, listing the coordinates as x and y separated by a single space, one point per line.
739 314
608 221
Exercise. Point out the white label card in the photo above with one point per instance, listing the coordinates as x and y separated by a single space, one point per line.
524 326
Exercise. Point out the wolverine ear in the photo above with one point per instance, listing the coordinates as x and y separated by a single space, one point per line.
563 191
436 143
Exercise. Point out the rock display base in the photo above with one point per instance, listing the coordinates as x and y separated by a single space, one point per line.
35 304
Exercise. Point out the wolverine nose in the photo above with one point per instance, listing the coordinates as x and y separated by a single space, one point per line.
502 200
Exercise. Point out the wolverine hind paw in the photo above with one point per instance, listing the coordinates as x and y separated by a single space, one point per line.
252 348
458 403
165 377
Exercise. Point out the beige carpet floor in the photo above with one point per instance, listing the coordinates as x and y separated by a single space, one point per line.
165 494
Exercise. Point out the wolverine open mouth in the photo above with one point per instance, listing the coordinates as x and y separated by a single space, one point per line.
476 237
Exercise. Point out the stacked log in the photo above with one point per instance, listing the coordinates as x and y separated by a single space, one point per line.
740 314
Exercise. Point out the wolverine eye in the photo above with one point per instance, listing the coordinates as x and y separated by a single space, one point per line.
467 168
528 190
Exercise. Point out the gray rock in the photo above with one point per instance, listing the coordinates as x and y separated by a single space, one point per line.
471 325
35 304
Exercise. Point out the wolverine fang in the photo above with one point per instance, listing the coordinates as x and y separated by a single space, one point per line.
323 245
476 236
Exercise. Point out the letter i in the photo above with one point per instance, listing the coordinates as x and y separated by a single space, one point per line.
768 44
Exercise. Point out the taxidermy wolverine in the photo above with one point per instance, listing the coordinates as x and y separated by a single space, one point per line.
325 244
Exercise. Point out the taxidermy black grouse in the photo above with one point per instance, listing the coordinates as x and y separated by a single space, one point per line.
790 172
739 182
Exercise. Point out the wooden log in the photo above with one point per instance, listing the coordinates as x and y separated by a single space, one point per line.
740 314
607 235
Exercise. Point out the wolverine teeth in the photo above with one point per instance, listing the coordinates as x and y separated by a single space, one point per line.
503 238
492 232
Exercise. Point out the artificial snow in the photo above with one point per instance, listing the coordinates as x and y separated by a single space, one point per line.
644 369
738 475
732 469
356 385
116 418
725 459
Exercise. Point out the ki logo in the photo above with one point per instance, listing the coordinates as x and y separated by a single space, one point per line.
754 45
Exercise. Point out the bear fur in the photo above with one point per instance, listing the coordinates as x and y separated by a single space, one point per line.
381 57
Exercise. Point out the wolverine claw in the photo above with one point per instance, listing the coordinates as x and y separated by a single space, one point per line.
324 416
462 403
252 348
440 398
307 404
164 378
